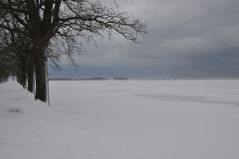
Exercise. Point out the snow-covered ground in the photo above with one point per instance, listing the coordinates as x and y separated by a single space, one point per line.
177 119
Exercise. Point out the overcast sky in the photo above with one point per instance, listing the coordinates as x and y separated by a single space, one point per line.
186 39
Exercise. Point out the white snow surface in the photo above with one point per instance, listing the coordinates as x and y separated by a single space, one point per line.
167 119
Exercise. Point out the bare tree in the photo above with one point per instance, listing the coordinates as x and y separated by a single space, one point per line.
15 41
54 21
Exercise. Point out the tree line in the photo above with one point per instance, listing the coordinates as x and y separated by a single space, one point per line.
32 32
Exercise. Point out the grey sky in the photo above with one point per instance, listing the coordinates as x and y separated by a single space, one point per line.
186 39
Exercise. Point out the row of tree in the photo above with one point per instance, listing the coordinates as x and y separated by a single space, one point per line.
35 31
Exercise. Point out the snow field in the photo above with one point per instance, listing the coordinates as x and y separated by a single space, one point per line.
171 119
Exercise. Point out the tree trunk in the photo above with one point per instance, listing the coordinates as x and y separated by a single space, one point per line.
23 75
40 68
30 71
30 77
19 74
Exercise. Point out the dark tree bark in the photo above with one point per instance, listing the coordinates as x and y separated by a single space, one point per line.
30 77
18 75
40 69
23 75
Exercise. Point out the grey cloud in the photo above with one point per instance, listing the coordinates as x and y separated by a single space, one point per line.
186 39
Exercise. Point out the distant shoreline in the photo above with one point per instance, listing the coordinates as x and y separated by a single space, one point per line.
124 79
88 79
